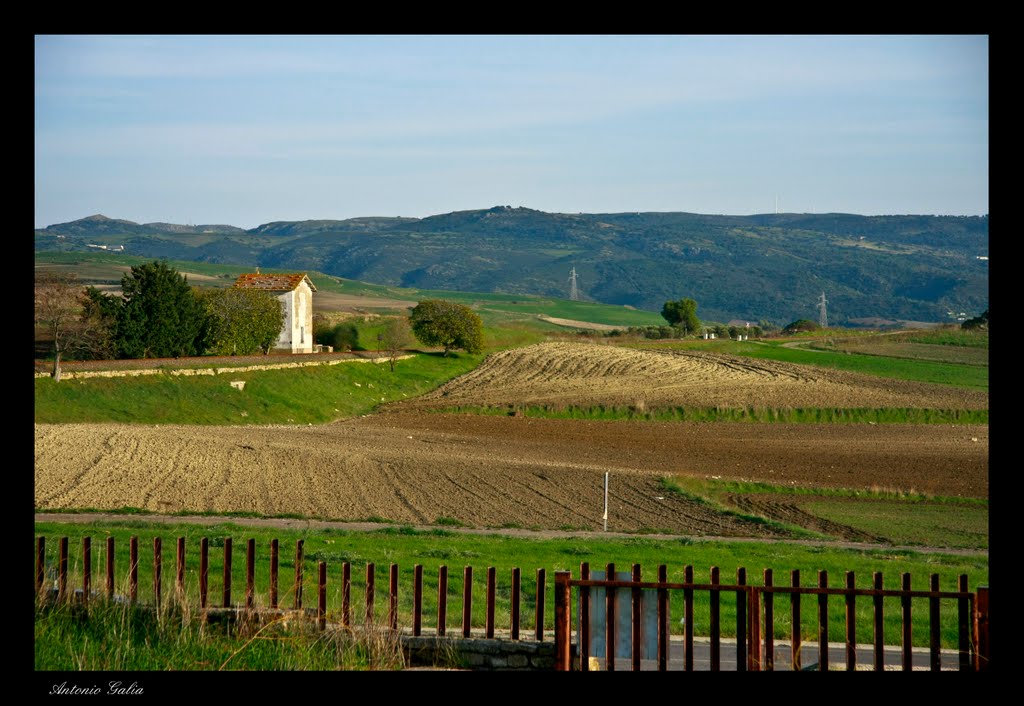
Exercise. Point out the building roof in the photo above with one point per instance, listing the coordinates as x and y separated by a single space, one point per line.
272 283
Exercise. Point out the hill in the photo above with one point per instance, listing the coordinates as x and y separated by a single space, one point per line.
765 267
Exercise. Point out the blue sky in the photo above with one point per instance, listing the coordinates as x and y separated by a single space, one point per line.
244 130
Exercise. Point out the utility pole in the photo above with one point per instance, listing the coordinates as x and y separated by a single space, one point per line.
574 294
822 315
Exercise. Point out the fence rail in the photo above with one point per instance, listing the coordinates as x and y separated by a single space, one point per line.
756 621
755 617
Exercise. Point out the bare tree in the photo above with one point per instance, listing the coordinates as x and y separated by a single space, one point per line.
395 338
60 301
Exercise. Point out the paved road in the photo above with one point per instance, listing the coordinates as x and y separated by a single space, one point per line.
893 660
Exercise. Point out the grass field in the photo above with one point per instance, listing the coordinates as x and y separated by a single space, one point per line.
406 547
312 395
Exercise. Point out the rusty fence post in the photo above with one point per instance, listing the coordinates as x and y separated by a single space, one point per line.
513 617
86 568
297 588
539 605
664 641
417 599
688 619
489 618
62 570
933 624
879 655
609 612
371 577
346 594
158 561
964 624
563 621
204 572
636 642
754 645
393 598
110 568
40 563
467 601
133 569
274 561
769 623
250 574
742 658
981 629
714 623
321 595
584 636
179 578
908 664
796 629
822 622
442 599
851 622
227 573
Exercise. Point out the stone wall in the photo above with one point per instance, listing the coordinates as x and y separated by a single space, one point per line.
211 371
479 654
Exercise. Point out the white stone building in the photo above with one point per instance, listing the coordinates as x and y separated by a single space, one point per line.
295 292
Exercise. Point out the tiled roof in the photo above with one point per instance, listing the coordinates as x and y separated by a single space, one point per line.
272 283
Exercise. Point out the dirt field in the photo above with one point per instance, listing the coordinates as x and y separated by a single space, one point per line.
593 374
412 465
488 471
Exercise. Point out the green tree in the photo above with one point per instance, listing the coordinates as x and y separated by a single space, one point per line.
682 313
801 325
978 322
343 336
397 335
242 321
438 322
161 316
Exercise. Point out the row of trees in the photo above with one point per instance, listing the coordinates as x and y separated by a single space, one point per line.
158 315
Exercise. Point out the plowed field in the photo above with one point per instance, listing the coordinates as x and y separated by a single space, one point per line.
592 374
411 465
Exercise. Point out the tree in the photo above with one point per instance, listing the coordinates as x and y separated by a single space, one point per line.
397 335
438 322
343 336
683 313
242 321
978 322
161 316
801 325
60 301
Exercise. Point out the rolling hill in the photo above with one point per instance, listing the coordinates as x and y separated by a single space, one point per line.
770 267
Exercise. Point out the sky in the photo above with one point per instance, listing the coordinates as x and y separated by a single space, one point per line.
244 130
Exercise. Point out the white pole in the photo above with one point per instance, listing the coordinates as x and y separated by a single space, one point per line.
606 501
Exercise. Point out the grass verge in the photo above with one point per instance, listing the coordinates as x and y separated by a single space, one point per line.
374 552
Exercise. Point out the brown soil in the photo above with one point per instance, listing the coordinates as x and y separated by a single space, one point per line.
488 471
593 374
412 464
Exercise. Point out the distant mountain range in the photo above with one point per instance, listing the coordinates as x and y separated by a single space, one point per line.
770 267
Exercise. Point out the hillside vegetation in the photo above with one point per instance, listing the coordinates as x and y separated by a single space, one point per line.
768 267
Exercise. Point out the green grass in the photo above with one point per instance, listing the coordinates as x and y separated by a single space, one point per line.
902 518
312 395
112 637
967 376
724 414
406 547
